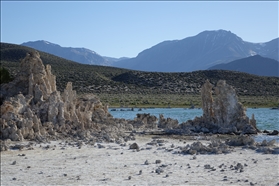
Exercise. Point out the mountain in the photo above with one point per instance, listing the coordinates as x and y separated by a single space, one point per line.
82 75
257 65
80 55
115 85
198 52
112 60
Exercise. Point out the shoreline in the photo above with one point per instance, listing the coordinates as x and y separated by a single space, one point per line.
157 161
186 108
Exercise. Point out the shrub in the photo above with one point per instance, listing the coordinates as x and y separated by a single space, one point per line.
5 75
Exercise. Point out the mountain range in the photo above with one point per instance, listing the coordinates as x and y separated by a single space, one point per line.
200 52
80 55
106 80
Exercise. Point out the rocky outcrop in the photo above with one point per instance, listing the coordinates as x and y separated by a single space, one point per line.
223 115
214 147
167 123
144 121
33 79
33 109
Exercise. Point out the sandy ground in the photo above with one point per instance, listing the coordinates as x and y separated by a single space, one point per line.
116 164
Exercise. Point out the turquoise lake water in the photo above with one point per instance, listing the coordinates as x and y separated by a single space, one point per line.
267 119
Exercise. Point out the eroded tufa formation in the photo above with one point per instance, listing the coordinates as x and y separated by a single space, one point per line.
224 114
33 108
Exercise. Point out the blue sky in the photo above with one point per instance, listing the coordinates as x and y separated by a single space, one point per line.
119 28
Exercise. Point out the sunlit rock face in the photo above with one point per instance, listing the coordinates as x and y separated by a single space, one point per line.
33 108
225 114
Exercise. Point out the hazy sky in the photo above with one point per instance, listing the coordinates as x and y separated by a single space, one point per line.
119 28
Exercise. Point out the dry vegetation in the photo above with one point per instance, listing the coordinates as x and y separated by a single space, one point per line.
122 87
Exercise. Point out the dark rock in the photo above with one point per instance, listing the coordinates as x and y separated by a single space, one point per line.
265 131
274 133
158 161
159 170
239 166
146 162
163 165
100 146
134 146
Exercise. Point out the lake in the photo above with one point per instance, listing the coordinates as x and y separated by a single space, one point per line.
267 119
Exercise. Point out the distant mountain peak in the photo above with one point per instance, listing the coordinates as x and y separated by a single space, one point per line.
46 42
41 42
220 31
77 54
219 34
199 52
80 55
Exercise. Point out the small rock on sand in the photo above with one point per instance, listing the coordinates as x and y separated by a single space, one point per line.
158 161
146 162
134 146
159 170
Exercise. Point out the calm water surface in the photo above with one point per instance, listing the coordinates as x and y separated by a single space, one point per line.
267 119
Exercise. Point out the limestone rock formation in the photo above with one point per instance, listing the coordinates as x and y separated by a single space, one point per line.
167 123
223 115
33 79
144 121
214 147
33 108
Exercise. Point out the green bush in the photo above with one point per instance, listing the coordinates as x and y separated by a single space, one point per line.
5 75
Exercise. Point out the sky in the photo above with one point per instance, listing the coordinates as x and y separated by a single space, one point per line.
125 28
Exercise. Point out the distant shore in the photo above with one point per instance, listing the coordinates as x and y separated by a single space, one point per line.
178 101
175 106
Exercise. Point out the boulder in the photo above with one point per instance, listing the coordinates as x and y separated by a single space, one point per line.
134 146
